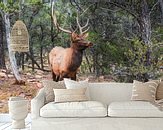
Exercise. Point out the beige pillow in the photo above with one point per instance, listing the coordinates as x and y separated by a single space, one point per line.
144 91
71 84
49 85
70 95
159 93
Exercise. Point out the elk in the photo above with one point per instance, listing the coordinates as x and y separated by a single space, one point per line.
64 62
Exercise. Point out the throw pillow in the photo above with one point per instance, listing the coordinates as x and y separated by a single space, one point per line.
71 84
159 93
49 85
144 91
70 95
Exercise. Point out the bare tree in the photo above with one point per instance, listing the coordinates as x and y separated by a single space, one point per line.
11 53
2 55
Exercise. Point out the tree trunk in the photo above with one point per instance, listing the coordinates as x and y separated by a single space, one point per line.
32 55
32 59
22 60
161 8
12 54
52 27
41 47
145 31
88 63
145 23
2 55
41 57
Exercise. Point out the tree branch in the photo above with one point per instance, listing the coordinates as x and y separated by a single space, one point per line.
2 13
153 7
37 68
125 8
33 60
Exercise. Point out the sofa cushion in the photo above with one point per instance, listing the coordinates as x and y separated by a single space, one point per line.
159 93
49 85
144 91
70 95
74 109
71 84
133 109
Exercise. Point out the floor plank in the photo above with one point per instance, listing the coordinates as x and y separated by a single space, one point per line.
8 126
5 117
1 124
5 122
5 126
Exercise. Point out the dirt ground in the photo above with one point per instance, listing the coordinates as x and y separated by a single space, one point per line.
32 85
8 88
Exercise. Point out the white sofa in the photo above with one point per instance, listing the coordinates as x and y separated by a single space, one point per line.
117 112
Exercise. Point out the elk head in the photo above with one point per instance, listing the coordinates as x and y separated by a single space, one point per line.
78 40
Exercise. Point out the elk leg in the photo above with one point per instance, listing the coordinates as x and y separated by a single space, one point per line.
53 76
74 77
57 78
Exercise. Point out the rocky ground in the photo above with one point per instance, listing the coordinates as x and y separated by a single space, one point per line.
8 88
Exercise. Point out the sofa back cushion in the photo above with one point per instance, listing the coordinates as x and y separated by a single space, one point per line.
49 85
105 92
159 93
144 91
108 92
71 84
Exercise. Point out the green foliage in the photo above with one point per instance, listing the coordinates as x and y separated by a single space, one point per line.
34 1
112 31
136 61
9 7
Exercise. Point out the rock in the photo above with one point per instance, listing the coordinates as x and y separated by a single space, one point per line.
40 72
32 80
22 95
3 75
3 70
101 77
38 76
39 85
28 74
10 76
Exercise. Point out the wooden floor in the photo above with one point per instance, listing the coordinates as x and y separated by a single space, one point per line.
5 122
8 126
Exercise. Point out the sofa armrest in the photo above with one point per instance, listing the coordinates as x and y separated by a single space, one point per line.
36 104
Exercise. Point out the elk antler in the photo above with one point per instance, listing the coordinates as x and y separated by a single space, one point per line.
81 28
56 23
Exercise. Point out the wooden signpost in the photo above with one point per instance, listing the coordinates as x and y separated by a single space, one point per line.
19 37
